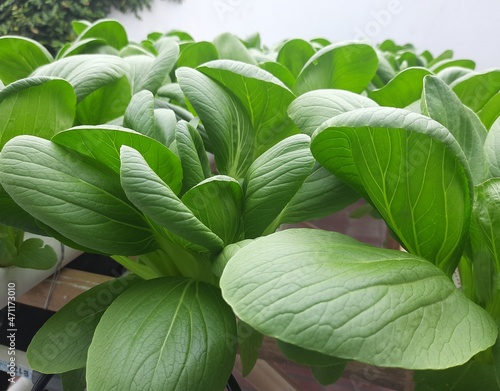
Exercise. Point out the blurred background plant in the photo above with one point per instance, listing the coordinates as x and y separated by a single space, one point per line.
49 21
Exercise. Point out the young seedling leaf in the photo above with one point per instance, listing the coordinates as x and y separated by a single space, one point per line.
329 293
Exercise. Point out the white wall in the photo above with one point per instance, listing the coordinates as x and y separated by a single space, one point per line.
467 27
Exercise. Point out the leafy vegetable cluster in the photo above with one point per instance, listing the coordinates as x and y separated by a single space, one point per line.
182 159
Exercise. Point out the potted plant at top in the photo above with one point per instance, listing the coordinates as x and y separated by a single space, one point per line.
202 248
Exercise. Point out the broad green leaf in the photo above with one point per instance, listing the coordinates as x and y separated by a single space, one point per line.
439 66
103 143
470 376
279 71
74 380
313 108
59 187
385 71
330 374
408 59
139 115
35 254
476 89
449 75
320 195
158 202
49 102
79 26
492 149
181 35
154 76
411 169
345 66
249 342
104 104
264 97
228 126
197 53
166 124
164 334
446 55
491 111
62 342
111 31
20 56
87 72
194 160
230 47
404 89
85 46
272 181
13 215
226 254
485 223
294 54
441 104
326 292
217 202
133 49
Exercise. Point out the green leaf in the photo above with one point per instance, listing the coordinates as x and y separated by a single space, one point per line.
103 143
86 72
230 47
439 66
492 149
320 195
346 66
140 115
62 342
313 108
491 111
104 104
404 89
35 254
470 376
294 54
85 46
441 104
446 55
280 72
218 202
411 169
13 215
150 194
79 26
111 31
175 334
449 75
74 380
475 90
59 187
196 53
19 57
264 97
330 374
249 341
485 223
271 182
326 292
49 102
194 160
228 126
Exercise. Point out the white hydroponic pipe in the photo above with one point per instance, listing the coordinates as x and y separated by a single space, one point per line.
25 279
